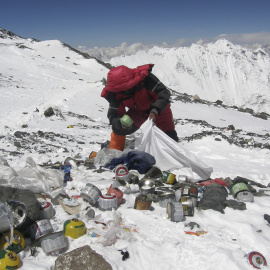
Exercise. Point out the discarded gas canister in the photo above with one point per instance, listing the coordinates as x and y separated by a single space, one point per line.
168 178
107 202
142 202
53 243
9 260
245 196
47 211
74 228
90 193
122 173
239 187
188 206
146 186
165 198
126 120
117 192
175 211
18 242
256 259
40 228
6 218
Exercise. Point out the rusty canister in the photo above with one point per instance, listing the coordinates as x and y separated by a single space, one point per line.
188 206
142 202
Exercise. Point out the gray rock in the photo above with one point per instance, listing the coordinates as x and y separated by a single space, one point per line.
154 172
235 204
214 197
83 258
49 112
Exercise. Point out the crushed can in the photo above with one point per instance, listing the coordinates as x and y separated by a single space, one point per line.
9 260
90 193
46 210
40 229
18 242
107 202
168 178
142 202
53 243
74 228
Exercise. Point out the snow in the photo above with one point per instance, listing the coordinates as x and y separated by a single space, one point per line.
44 75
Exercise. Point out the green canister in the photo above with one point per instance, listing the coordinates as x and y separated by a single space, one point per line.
126 120
239 187
168 178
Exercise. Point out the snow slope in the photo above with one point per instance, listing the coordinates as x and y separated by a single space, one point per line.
49 74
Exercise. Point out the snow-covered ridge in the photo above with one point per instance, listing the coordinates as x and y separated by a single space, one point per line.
223 71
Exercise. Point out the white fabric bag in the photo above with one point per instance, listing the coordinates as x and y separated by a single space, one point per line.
168 153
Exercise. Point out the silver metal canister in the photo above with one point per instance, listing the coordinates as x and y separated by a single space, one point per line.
46 211
121 172
165 198
91 193
107 202
175 211
245 196
6 218
40 229
188 206
53 243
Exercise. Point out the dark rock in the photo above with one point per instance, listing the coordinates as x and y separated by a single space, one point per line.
83 258
267 218
214 197
231 127
20 134
262 115
191 225
27 197
219 102
235 204
49 112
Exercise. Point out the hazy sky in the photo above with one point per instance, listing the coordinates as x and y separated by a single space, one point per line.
109 23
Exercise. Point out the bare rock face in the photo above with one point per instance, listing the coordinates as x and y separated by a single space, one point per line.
83 258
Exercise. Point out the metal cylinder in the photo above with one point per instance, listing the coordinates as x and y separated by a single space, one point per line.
107 202
190 191
142 203
168 178
53 243
90 193
175 211
245 196
47 211
74 228
239 187
18 242
40 228
188 206
9 260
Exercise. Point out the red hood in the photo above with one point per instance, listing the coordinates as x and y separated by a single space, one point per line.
123 78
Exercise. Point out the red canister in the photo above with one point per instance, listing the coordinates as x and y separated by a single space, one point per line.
117 192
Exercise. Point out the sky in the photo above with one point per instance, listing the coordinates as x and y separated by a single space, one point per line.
109 23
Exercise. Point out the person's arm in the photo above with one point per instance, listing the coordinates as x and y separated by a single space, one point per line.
153 84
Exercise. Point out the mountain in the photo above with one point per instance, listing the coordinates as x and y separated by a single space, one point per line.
51 110
219 71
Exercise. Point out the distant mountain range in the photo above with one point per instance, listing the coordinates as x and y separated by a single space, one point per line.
218 71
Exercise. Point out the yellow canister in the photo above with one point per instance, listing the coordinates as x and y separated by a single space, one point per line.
168 178
18 242
74 228
9 260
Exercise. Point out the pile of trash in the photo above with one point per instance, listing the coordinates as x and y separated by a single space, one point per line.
27 213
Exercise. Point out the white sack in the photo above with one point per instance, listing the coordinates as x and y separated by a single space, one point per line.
168 153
